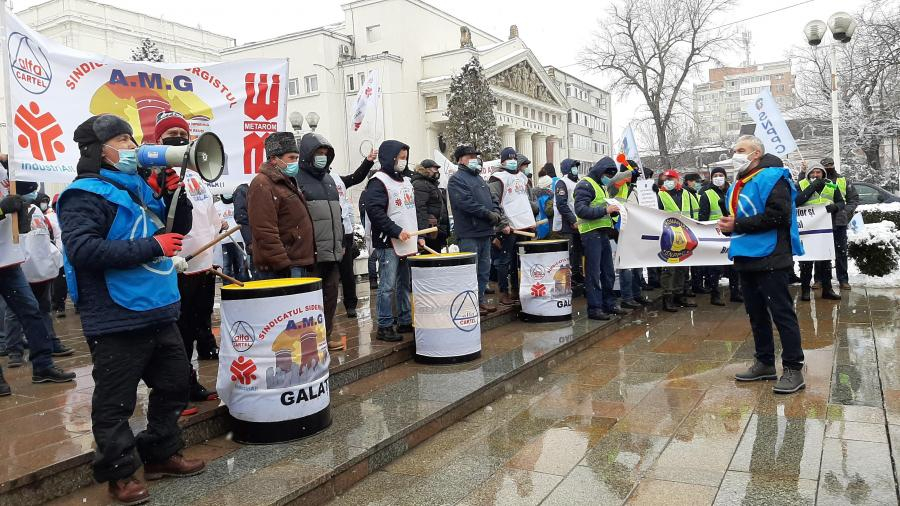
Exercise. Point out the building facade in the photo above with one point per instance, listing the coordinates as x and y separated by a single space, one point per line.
719 104
589 120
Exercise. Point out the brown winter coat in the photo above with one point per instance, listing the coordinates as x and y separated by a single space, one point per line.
281 226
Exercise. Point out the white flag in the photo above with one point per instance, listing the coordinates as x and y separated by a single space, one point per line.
366 99
770 126
447 169
630 148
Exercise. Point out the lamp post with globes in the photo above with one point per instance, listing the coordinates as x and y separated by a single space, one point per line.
842 26
312 119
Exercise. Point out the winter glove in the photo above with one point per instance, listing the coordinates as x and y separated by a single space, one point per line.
493 218
11 204
831 208
171 183
818 185
169 243
180 264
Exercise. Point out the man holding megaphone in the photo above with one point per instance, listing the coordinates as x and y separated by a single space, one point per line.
119 268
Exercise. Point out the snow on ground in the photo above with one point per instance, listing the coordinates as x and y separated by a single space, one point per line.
892 280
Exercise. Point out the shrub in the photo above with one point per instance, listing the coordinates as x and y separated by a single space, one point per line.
876 213
876 250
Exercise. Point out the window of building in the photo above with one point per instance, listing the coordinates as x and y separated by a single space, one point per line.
311 83
533 115
525 111
352 83
518 110
508 107
541 116
553 118
373 33
293 87
431 103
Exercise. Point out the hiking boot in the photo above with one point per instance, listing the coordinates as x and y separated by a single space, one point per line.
616 310
828 293
15 360
845 286
176 465
62 351
683 301
789 382
506 300
129 491
351 312
405 328
640 299
758 371
715 298
627 304
199 393
805 293
4 386
598 315
668 304
388 334
52 374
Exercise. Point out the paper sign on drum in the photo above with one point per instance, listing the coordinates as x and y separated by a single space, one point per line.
545 287
273 362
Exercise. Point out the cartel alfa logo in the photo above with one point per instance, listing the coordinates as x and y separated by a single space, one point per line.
242 336
538 272
538 290
40 132
677 241
242 370
464 311
30 65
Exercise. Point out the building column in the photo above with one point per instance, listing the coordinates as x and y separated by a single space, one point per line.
539 141
557 151
507 137
523 142
431 140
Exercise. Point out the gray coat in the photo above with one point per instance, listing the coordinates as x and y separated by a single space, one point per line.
322 199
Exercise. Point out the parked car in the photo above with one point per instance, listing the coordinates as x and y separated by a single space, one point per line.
872 194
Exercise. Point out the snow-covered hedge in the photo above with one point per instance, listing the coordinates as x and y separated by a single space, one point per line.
876 250
876 213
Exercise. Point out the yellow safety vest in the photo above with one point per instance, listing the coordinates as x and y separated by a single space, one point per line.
585 226
715 211
689 205
827 195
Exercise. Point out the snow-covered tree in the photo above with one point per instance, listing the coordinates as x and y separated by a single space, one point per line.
147 51
470 112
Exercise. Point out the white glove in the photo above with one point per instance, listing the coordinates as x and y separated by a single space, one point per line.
180 264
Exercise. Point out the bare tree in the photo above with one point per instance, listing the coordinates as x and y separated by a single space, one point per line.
652 47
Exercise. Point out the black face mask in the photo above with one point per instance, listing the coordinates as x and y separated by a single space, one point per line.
175 141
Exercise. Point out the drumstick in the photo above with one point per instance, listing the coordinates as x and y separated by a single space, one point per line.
423 232
523 233
226 277
426 248
212 243
14 216
540 222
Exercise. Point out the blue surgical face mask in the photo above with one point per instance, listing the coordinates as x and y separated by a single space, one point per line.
527 170
511 165
291 169
127 163
604 180
320 161
30 196
474 164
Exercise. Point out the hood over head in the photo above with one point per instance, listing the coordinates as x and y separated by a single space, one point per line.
309 143
603 167
387 153
566 166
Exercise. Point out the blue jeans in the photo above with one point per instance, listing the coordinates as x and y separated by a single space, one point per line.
506 261
393 283
20 299
292 272
481 246
600 275
15 337
630 284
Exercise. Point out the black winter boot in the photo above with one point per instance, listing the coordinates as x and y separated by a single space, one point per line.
683 301
805 293
715 297
828 292
669 303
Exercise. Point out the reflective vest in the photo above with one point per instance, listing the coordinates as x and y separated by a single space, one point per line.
715 210
570 201
585 226
143 287
514 201
827 195
746 198
689 205
401 209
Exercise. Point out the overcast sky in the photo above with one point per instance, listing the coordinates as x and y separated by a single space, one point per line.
555 31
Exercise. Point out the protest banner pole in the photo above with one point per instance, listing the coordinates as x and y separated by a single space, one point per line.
9 122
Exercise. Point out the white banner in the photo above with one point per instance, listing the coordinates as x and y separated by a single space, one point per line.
53 89
273 358
545 287
630 149
654 238
445 310
770 126
447 169
646 195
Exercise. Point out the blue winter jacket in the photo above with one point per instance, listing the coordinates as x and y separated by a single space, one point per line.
471 201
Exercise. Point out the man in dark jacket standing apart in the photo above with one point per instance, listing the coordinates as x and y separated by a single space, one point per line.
762 220
816 189
123 280
430 205
324 204
475 214
840 220
284 244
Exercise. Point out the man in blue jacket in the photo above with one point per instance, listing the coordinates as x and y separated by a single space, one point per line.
565 223
123 280
762 220
475 214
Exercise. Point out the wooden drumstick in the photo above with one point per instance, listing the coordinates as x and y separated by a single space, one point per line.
14 216
423 231
426 248
210 244
523 233
539 223
226 277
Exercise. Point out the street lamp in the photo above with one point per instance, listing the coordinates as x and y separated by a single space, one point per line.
842 26
296 120
312 119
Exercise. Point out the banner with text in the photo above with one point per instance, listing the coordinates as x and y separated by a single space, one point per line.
654 238
54 88
770 126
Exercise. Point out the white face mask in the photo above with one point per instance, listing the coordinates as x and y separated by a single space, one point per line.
669 184
400 165
719 181
740 161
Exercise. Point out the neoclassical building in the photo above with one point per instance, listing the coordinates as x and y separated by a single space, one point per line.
415 49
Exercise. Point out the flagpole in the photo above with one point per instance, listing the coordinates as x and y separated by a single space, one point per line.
9 123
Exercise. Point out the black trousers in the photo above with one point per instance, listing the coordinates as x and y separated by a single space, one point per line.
59 291
198 292
348 277
330 274
840 256
155 355
766 298
823 272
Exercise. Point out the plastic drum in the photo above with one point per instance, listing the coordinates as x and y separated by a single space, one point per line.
445 308
273 361
545 285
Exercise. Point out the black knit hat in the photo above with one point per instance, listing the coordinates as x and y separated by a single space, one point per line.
92 133
718 170
462 151
508 154
280 143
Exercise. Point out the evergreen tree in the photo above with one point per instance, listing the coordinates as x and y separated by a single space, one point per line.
470 112
147 51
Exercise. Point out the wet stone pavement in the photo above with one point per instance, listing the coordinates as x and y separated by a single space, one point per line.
652 415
